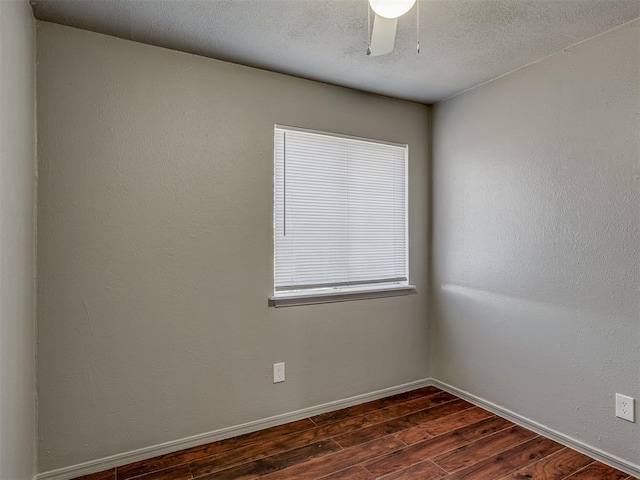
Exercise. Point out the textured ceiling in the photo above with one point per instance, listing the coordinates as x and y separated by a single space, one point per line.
463 42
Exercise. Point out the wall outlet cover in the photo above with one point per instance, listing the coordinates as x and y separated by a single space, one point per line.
278 372
625 407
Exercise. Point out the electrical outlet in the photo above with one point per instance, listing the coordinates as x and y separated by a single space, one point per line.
278 372
625 407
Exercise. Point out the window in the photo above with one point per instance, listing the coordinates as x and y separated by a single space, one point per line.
340 218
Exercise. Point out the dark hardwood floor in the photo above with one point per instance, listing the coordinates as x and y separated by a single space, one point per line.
421 434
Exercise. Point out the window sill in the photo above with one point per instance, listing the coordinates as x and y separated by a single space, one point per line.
307 298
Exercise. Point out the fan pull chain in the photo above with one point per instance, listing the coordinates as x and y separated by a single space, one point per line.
368 28
418 25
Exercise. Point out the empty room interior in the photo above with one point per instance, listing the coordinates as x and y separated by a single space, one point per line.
319 239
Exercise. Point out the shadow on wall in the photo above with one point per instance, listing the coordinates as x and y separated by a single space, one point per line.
535 338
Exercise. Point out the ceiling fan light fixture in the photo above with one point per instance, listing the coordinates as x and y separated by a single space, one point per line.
391 8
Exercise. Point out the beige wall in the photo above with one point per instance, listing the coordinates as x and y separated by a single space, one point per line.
17 241
537 241
155 249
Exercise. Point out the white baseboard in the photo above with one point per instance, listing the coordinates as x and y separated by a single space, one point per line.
125 458
589 450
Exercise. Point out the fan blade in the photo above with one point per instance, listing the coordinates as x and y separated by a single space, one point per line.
383 35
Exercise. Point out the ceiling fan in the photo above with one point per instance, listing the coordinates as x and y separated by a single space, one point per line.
383 36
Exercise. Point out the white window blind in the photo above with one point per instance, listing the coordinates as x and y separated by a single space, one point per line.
340 212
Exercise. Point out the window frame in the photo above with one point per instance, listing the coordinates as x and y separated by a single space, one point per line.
344 293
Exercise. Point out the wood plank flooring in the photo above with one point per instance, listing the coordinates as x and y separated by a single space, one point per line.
424 434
